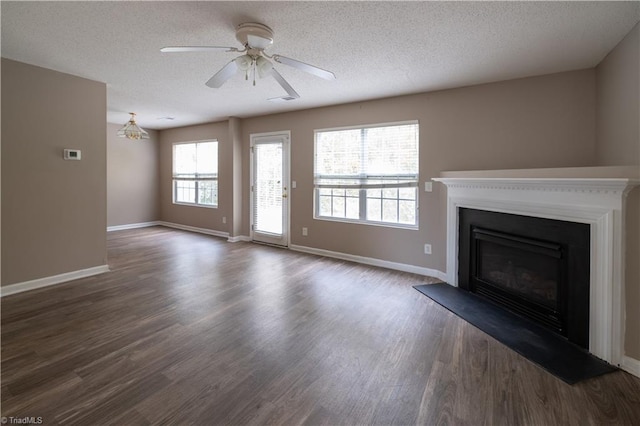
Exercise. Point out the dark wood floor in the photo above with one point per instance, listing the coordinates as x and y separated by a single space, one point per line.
190 329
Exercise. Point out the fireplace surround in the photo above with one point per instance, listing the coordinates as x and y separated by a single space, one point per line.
596 202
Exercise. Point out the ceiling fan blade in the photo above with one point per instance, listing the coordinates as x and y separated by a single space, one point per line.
286 86
319 72
173 49
223 75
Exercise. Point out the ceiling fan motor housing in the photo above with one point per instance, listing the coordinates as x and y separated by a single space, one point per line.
256 36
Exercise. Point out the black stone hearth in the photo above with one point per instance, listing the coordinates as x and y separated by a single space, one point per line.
538 344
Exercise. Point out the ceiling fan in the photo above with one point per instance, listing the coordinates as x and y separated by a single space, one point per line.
255 38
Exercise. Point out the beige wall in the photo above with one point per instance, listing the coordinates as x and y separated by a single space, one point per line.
200 217
133 178
618 103
534 122
632 275
618 143
53 211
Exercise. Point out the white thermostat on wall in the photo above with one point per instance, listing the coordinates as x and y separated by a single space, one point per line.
72 154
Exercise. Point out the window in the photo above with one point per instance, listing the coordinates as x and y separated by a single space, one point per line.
195 173
368 174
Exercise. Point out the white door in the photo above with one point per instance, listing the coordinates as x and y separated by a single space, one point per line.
270 188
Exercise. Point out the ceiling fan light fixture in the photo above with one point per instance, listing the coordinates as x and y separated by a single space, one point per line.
263 66
244 62
131 130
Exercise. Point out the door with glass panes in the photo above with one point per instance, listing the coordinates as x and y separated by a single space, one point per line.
270 188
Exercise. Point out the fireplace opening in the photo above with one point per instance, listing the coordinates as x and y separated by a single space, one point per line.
537 268
521 273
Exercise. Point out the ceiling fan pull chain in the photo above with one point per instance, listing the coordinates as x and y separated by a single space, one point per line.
254 72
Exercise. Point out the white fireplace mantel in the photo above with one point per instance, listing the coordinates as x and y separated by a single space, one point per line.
599 202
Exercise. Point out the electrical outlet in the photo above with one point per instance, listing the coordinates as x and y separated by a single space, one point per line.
428 186
305 232
224 219
427 249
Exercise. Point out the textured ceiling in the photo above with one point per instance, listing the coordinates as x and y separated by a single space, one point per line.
376 49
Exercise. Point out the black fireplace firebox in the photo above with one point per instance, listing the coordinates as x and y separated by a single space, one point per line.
535 267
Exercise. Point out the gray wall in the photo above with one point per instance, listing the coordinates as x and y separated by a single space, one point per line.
133 178
53 211
618 103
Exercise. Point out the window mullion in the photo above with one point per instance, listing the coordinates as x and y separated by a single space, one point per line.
363 173
344 203
331 198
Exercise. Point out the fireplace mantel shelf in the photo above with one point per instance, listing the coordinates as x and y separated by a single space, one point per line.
593 195
588 185
615 172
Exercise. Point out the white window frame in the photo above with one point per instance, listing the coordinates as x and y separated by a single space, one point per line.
410 180
194 177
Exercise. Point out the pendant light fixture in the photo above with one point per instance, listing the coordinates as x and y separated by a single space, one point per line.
131 130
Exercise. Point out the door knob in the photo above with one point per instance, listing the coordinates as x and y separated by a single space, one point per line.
284 195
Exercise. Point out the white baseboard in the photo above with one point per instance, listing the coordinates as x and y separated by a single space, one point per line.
132 226
52 280
179 226
630 365
373 262
194 229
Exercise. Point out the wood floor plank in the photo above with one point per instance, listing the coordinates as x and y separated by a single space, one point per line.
190 329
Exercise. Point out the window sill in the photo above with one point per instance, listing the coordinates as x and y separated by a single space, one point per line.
369 223
195 205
